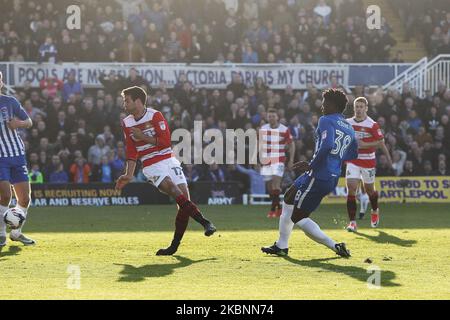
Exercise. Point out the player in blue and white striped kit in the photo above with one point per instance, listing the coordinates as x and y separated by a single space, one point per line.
13 166
335 143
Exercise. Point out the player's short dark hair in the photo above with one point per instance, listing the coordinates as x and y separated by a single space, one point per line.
272 110
135 93
337 97
361 99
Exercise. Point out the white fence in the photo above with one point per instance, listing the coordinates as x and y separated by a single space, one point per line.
424 76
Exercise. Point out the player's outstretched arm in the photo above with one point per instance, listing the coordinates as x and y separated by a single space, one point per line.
127 177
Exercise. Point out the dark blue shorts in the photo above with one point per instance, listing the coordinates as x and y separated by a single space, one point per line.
311 191
13 170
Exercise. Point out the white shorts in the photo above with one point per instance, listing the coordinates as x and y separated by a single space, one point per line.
274 169
166 168
367 175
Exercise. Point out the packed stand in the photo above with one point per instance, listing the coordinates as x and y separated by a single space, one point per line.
77 136
429 20
190 31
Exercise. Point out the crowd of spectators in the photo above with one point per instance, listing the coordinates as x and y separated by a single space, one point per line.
187 31
428 19
77 136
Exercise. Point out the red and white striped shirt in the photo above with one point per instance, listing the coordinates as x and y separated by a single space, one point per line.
152 124
274 143
368 131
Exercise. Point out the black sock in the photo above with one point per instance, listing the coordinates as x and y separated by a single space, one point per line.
181 223
176 240
200 219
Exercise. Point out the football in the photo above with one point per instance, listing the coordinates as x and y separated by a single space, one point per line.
14 218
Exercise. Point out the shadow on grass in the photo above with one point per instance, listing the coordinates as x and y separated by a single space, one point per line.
386 238
131 273
160 218
354 272
13 250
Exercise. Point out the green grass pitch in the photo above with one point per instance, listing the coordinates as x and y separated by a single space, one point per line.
114 249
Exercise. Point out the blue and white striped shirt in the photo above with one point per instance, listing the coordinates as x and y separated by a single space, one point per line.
11 145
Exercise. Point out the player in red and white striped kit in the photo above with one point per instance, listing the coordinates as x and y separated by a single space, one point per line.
370 138
147 138
276 141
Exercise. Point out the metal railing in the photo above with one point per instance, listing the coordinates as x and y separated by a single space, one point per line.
438 72
423 76
8 89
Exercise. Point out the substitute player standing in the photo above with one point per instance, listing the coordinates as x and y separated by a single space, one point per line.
13 166
276 142
147 138
369 137
335 143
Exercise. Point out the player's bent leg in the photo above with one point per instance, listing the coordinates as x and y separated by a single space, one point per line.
181 220
352 187
286 225
23 196
5 199
308 198
186 209
373 197
276 191
210 229
363 201
313 231
271 192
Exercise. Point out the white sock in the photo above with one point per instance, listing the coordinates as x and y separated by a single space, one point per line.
2 222
286 225
17 232
312 230
364 202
